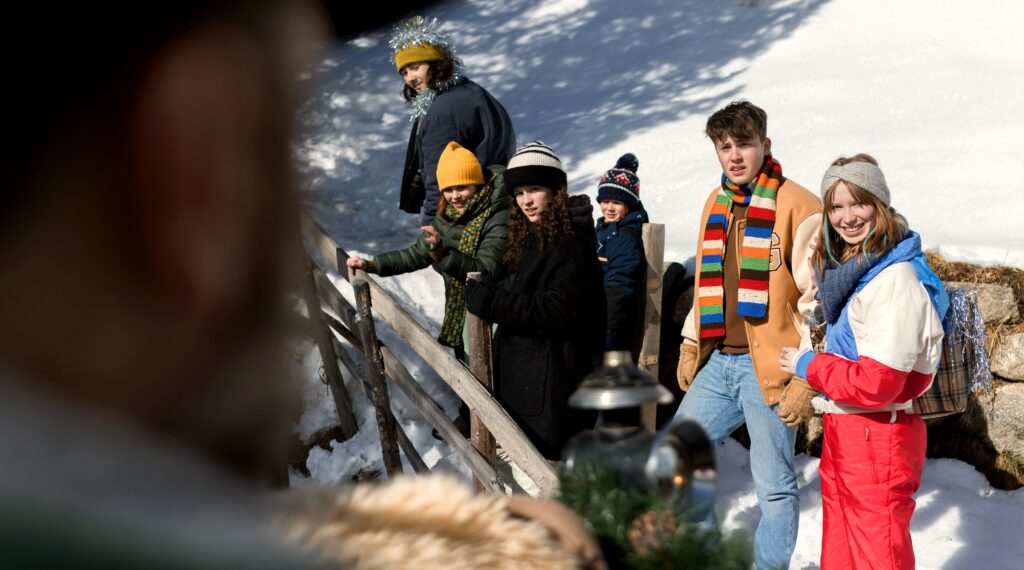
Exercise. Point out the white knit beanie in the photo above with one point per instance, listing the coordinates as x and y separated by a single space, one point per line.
534 164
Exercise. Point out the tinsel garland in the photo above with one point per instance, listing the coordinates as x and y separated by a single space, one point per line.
964 323
638 528
420 31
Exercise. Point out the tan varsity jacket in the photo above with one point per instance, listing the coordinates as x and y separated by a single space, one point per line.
790 286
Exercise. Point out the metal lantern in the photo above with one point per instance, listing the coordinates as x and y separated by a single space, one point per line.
678 460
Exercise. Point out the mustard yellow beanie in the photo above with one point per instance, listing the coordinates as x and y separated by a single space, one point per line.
417 53
458 167
419 39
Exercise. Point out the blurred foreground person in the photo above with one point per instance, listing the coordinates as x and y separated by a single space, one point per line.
145 212
144 237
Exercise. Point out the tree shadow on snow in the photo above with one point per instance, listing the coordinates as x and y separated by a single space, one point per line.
577 74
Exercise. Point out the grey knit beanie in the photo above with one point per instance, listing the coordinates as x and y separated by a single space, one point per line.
863 174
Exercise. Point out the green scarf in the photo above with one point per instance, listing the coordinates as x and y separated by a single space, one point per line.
476 213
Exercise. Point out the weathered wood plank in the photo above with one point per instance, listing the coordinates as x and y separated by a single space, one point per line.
462 381
342 402
332 297
506 433
478 351
434 415
344 331
375 374
323 243
653 236
482 470
414 457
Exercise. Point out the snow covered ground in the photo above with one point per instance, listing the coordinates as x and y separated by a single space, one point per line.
933 89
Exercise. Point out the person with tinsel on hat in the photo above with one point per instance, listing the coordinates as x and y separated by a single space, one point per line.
620 248
550 314
885 312
446 106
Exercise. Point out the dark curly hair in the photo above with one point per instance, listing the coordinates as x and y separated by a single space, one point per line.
555 224
439 74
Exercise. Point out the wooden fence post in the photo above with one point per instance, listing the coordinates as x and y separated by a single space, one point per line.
654 250
375 374
481 365
342 402
413 456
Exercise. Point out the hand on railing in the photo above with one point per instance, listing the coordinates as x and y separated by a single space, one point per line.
355 262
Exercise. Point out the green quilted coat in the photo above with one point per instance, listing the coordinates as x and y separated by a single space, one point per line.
455 264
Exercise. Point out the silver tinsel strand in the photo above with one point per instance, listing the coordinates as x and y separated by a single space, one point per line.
964 323
418 31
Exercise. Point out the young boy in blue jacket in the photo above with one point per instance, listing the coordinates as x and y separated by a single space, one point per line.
620 248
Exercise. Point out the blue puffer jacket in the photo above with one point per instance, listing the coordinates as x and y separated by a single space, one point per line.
620 250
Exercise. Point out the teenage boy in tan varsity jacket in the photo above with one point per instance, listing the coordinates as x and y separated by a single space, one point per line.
753 282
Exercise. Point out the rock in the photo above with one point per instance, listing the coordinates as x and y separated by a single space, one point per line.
1007 359
1004 414
997 302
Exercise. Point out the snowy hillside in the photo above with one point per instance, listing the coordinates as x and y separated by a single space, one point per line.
933 89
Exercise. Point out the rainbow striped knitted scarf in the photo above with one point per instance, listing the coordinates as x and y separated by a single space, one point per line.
752 296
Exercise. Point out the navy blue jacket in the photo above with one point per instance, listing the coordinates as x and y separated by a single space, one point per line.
470 116
620 249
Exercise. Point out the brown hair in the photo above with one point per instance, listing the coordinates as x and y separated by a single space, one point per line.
889 229
555 222
437 78
742 120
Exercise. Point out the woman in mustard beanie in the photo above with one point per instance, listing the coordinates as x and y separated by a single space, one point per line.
468 234
446 106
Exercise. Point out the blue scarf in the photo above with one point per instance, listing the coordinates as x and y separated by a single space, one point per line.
837 283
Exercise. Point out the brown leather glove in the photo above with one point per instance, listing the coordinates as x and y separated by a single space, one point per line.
687 369
795 405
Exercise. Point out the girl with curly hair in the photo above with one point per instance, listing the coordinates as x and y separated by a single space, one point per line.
551 313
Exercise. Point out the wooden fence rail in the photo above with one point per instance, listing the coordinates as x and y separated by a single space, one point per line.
375 374
461 379
653 236
478 351
342 402
400 377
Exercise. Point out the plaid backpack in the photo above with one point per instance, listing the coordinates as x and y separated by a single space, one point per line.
964 366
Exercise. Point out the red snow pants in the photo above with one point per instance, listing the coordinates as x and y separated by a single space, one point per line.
870 469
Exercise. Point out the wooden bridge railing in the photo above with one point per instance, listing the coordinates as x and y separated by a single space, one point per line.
355 324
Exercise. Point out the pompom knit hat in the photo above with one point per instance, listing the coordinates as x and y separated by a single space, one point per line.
621 183
534 164
458 167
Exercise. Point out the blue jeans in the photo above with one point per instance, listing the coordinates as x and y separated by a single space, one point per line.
724 395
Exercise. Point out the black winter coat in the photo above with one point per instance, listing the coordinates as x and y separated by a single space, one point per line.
551 324
467 114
